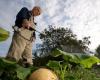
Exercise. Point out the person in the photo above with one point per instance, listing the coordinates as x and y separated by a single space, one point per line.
24 36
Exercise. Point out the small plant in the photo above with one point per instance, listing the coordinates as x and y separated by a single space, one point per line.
59 68
12 71
73 66
3 34
70 67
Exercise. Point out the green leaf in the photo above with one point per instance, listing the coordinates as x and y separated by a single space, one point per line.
6 64
3 34
82 56
89 62
54 65
16 70
56 53
22 72
75 57
84 60
72 57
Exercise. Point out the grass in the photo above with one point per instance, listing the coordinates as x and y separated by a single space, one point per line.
80 73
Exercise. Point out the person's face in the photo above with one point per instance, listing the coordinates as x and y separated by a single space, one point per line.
36 11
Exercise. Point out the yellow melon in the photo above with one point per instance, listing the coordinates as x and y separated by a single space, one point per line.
43 74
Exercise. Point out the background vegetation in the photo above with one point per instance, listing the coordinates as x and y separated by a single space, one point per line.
61 52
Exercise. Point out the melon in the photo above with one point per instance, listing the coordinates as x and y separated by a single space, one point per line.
43 74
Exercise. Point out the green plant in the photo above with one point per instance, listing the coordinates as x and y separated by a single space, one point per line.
12 71
80 73
59 68
83 60
71 66
3 34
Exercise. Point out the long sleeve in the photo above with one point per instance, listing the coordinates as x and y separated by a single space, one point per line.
22 14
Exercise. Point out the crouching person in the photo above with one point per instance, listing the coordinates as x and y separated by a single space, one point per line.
23 37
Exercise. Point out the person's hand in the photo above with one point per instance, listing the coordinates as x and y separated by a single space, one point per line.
26 24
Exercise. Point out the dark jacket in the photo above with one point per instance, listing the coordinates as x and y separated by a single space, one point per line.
24 13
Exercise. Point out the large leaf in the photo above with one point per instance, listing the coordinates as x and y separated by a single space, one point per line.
88 63
56 53
75 57
54 65
13 68
84 60
59 68
3 34
6 64
72 57
22 73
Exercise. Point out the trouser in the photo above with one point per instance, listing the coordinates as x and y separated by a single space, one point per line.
20 49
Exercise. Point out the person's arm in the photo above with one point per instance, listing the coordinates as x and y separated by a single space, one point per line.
26 24
22 14
16 28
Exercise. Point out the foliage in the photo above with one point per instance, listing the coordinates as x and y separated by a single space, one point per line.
83 60
22 73
73 66
88 63
3 34
12 71
79 73
98 51
68 66
63 39
58 68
